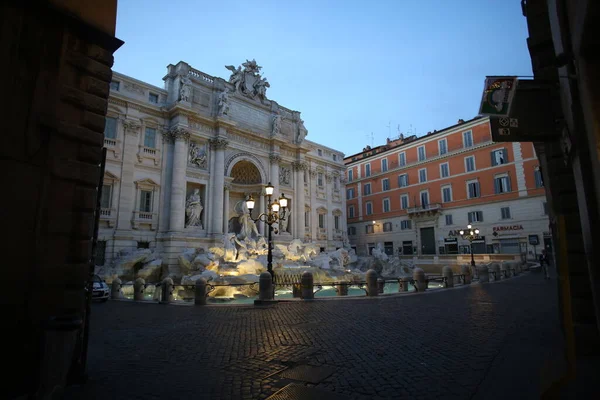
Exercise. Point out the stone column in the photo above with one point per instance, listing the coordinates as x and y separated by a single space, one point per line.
314 219
226 209
127 197
329 192
299 168
218 173
178 186
209 191
275 160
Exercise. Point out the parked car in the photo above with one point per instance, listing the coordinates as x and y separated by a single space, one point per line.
100 290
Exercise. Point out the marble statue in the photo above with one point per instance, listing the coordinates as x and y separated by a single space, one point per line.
284 215
193 209
185 90
248 227
248 80
224 103
276 125
197 155
236 77
302 132
260 87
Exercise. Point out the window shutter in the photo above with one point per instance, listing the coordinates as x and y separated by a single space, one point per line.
493 154
470 217
505 151
496 185
480 216
508 188
478 194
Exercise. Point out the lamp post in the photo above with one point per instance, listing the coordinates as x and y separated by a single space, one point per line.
269 217
470 234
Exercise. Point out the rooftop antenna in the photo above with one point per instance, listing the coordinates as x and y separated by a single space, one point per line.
389 126
372 141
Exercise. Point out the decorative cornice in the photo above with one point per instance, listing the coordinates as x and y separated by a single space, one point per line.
328 177
218 143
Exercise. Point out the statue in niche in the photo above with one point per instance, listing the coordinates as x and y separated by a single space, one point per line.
284 215
193 209
284 176
302 132
276 125
185 90
248 227
198 155
224 103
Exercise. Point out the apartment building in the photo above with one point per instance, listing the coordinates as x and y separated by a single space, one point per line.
413 195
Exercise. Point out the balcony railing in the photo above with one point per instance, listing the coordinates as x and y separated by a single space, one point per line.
109 215
144 218
110 142
427 209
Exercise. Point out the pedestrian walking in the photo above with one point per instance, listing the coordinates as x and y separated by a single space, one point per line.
544 264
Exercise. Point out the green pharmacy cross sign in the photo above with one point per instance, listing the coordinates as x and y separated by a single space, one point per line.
498 94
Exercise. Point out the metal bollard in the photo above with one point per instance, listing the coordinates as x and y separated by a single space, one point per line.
483 272
420 281
372 283
495 267
380 285
265 286
167 291
449 275
504 271
200 292
341 289
403 284
115 289
466 271
307 286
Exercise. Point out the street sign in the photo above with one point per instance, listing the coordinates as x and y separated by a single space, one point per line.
534 240
498 93
531 117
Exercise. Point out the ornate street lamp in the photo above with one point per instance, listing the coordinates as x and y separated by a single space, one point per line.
270 217
471 233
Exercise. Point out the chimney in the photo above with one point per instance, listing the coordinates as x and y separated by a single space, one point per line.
461 121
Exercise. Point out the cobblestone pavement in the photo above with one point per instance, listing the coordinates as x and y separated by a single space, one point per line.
496 340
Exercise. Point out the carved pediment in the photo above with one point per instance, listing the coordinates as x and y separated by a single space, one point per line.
110 177
146 183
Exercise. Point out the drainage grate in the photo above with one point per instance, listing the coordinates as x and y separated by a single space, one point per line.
308 373
294 391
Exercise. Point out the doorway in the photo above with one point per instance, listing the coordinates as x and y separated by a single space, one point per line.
428 240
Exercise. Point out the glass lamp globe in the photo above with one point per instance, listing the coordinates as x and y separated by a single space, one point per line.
250 203
469 226
275 206
462 232
477 231
283 201
269 189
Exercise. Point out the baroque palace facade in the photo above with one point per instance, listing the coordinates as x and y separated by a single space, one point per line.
181 160
413 195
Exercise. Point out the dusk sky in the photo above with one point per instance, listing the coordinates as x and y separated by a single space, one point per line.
351 68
